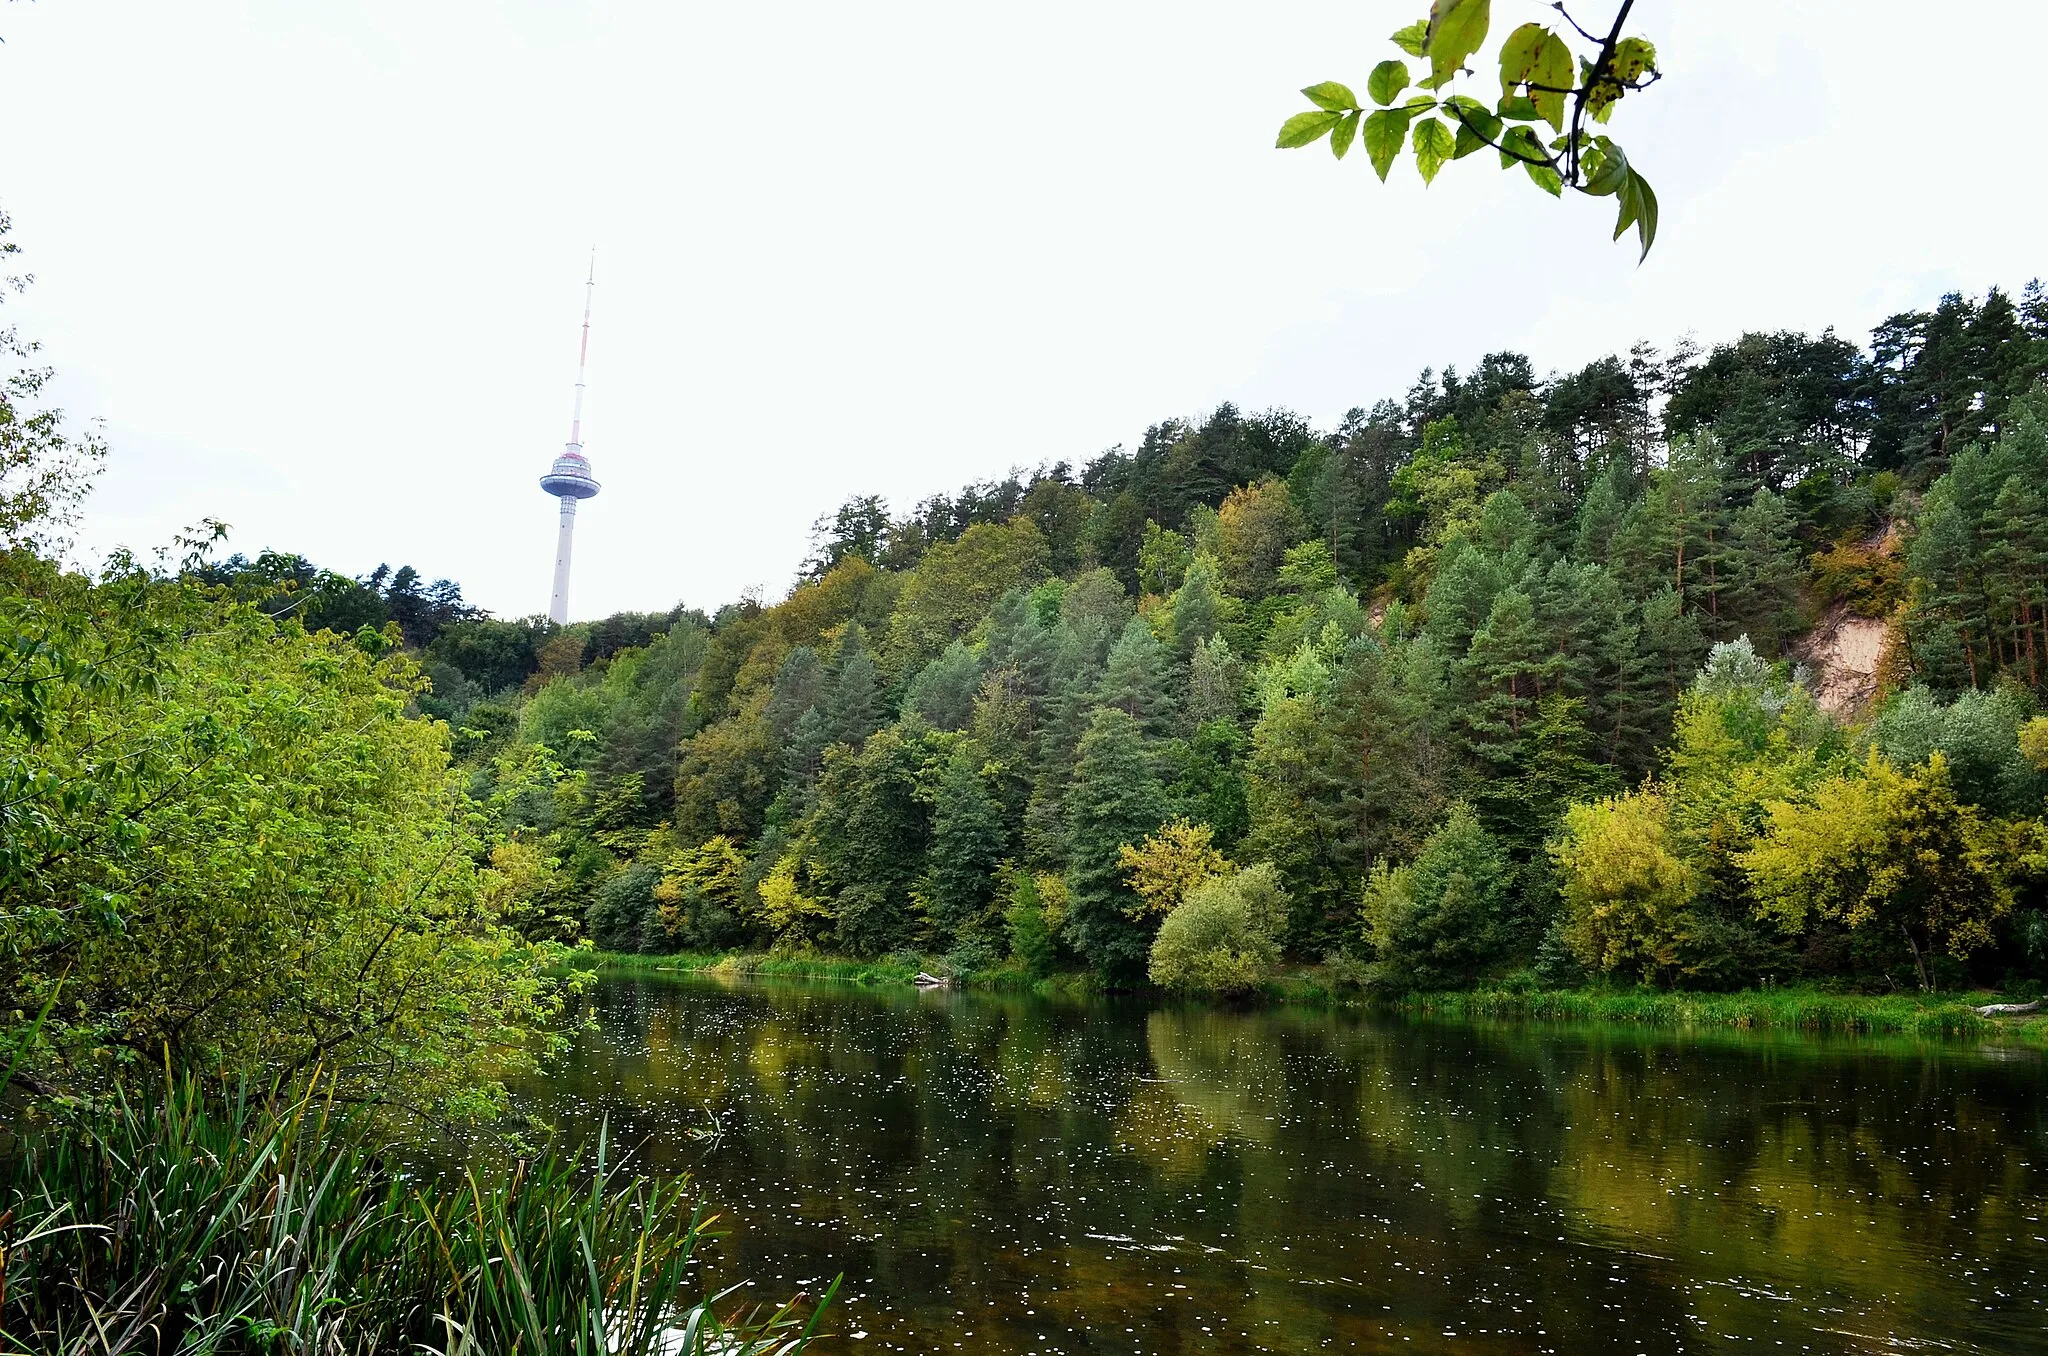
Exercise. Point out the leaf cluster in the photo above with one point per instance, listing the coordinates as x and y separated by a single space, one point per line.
1543 83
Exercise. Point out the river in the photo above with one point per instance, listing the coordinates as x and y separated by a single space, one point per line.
998 1174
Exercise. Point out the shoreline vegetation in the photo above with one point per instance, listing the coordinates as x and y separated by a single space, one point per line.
1941 1016
243 1219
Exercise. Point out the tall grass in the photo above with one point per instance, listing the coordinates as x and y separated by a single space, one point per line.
1754 1009
254 1225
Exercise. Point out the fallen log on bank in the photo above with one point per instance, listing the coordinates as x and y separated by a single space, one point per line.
2008 1009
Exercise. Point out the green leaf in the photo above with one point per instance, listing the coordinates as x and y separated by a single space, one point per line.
1433 146
1414 39
1303 128
1520 147
1477 127
1332 96
1384 132
1553 69
1468 142
1342 133
1387 81
1518 56
1533 55
1606 168
1417 102
1518 106
1457 28
1633 59
1547 179
1638 207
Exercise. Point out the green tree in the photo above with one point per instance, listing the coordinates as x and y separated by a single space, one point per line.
1162 560
1441 920
1134 678
854 710
1215 683
969 841
1198 606
1115 800
624 914
1032 940
943 690
864 842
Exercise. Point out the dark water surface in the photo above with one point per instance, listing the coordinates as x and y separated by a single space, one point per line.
1009 1175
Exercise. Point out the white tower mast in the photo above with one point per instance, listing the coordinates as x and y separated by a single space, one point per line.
569 478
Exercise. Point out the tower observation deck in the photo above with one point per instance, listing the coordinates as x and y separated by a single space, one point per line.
569 478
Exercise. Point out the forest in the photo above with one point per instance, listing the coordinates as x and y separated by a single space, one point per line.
1511 685
1507 680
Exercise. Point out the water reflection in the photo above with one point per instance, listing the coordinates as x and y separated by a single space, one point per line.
1007 1175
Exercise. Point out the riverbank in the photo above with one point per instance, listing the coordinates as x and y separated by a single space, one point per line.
1934 1016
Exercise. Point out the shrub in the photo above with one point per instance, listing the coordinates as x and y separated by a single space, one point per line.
1862 575
1225 936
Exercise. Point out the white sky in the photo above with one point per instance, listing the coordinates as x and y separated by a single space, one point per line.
319 267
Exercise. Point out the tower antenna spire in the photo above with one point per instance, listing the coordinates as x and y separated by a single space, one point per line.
569 478
583 353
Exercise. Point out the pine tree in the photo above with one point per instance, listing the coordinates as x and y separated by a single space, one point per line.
1764 573
1602 512
1134 678
1115 799
855 709
969 840
1197 606
1067 708
1501 679
943 690
1439 922
1461 596
799 686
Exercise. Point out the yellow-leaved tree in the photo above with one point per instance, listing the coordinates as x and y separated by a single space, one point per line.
1626 889
1165 868
1886 852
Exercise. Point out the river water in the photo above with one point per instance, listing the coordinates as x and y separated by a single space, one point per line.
997 1174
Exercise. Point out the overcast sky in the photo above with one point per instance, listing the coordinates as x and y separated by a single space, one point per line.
319 267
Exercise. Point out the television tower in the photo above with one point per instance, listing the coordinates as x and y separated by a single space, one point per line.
569 478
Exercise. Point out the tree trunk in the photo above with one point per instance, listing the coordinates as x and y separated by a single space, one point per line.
1919 965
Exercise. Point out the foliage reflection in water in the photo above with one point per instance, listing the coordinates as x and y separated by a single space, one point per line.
1010 1175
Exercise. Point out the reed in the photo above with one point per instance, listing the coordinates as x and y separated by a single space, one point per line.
1753 1009
220 1226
